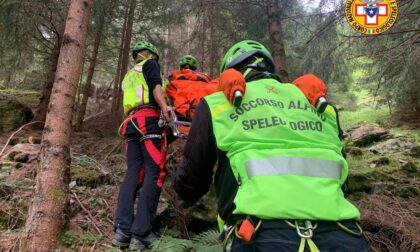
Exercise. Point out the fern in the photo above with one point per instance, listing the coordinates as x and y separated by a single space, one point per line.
169 244
210 237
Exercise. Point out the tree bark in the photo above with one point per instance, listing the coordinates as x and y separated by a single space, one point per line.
118 73
91 71
124 59
47 214
46 92
276 37
202 37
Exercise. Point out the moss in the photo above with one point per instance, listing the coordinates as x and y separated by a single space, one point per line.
11 155
381 161
68 238
355 151
13 115
409 167
57 193
87 177
409 192
360 183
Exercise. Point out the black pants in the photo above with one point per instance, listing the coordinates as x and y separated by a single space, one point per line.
145 171
287 240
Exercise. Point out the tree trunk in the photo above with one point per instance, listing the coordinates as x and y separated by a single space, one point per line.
276 37
202 37
124 54
213 56
46 92
118 74
47 214
91 71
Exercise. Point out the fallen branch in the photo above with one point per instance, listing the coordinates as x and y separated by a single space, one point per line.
89 215
14 133
113 149
93 116
92 249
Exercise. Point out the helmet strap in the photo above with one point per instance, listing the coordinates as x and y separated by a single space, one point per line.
143 57
253 65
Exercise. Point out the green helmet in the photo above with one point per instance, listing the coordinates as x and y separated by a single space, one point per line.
144 45
189 60
242 51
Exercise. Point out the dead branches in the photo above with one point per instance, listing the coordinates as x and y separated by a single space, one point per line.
14 133
90 217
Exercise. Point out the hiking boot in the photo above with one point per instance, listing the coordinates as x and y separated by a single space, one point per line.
121 240
139 243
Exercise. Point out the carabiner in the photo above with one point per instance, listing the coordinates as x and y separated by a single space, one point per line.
308 228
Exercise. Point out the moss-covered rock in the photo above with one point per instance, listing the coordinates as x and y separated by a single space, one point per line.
13 114
360 183
85 176
367 134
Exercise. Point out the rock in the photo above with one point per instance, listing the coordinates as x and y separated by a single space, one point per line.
392 145
72 184
25 153
85 176
367 134
409 167
13 114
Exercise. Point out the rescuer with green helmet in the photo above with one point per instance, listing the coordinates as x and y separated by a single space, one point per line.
281 171
143 102
188 62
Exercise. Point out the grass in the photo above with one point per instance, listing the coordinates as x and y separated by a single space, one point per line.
412 135
364 115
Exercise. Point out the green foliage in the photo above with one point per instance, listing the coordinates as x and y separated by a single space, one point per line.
111 250
368 115
68 238
393 70
210 237
207 241
169 244
86 161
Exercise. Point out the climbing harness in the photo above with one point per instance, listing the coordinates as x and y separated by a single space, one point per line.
245 229
130 118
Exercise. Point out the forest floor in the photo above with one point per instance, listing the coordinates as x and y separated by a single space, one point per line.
384 185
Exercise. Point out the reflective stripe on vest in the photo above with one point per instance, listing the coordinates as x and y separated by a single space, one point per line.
309 167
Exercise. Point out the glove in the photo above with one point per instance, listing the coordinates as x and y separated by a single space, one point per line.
230 82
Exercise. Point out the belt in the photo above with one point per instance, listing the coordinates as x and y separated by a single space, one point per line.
321 226
134 110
